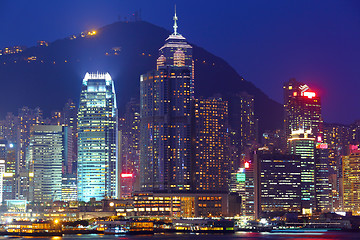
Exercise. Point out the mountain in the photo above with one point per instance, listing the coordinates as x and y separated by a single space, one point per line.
47 76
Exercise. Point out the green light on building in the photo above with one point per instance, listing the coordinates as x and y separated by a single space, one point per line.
240 177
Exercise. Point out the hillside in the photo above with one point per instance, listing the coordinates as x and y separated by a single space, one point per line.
48 76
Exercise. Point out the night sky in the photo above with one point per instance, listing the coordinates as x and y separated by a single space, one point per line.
267 42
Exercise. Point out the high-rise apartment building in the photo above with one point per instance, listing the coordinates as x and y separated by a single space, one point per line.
351 182
97 138
302 109
211 145
165 118
26 119
9 128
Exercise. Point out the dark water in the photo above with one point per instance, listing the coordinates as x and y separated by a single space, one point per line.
238 236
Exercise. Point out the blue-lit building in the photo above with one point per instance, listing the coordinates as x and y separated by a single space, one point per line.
166 96
97 138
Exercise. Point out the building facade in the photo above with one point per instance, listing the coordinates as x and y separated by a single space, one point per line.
302 109
351 182
278 185
166 96
48 152
97 138
303 144
212 165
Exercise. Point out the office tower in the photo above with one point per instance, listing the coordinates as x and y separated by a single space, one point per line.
302 109
243 126
49 145
165 118
351 182
97 138
130 151
322 186
211 145
8 154
70 119
303 143
278 180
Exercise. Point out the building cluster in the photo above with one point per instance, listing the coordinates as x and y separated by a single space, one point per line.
171 154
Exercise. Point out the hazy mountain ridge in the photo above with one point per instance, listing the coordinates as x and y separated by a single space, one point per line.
125 50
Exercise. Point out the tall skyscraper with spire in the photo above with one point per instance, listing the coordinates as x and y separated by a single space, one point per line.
166 96
97 138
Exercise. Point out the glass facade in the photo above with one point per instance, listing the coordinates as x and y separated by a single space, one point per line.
279 183
47 154
302 143
97 138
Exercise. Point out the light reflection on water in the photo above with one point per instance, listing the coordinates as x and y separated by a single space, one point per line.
236 236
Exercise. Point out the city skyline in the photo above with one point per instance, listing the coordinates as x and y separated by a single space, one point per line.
195 139
321 44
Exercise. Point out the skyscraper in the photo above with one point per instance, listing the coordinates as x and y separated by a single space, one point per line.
351 182
278 180
302 109
8 154
130 151
49 146
211 145
70 120
243 127
165 115
303 143
27 118
322 187
97 138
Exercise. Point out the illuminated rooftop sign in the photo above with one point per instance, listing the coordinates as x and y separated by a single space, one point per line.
308 94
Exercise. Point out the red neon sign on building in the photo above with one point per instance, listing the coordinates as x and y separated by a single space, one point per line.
126 175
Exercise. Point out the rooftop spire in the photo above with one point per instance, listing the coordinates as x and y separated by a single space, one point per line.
175 24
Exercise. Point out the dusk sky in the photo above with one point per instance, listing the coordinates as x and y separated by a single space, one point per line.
267 42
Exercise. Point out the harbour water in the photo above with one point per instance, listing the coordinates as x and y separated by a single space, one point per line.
237 236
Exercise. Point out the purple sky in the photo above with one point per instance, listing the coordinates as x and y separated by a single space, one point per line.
268 42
